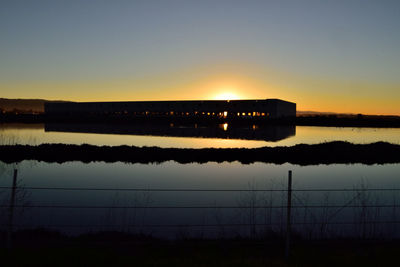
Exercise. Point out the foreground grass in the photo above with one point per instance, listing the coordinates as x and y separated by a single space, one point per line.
118 249
203 254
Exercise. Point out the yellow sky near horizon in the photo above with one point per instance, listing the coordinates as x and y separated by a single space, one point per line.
352 97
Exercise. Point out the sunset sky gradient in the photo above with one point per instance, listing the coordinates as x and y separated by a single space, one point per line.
326 55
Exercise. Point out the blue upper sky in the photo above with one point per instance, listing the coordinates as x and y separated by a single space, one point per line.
320 54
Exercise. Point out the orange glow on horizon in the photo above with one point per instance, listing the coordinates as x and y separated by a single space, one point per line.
228 95
306 93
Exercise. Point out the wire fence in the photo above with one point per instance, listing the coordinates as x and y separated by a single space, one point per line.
257 211
203 190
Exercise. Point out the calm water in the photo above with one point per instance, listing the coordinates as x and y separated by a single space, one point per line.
154 198
134 211
36 134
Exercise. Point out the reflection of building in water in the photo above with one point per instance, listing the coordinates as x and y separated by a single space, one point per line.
265 108
252 132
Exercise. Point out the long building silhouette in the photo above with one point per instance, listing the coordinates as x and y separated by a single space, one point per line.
246 109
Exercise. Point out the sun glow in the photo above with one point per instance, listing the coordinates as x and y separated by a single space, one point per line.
226 96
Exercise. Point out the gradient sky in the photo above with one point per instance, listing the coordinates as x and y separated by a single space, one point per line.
326 55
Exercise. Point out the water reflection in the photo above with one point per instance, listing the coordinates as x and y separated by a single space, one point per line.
34 134
222 131
214 200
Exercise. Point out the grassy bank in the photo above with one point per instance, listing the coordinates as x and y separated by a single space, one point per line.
325 120
302 154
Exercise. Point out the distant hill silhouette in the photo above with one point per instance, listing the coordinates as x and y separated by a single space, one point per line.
319 113
24 105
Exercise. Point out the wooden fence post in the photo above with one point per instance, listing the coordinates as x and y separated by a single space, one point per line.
288 216
11 210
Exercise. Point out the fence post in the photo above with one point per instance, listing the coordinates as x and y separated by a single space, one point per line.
11 211
288 216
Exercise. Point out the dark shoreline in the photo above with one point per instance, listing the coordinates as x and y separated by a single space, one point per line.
337 152
325 121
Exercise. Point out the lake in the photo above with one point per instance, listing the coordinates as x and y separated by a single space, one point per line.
172 200
35 134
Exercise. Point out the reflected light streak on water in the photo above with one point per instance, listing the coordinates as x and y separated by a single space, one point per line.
35 134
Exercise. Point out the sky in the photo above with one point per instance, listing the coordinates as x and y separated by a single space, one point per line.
326 55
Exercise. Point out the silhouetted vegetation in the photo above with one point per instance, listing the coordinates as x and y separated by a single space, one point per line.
302 154
42 247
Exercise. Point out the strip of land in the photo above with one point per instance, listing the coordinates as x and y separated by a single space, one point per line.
302 154
328 121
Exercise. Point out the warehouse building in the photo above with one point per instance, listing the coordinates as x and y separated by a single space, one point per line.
266 108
